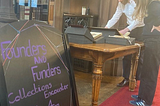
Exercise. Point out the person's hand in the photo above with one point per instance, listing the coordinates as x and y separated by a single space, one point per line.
123 31
155 28
106 27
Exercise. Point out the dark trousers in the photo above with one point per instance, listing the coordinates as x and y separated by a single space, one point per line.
149 73
137 34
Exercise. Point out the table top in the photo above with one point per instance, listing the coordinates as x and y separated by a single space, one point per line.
106 47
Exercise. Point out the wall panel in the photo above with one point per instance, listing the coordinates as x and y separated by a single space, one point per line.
104 9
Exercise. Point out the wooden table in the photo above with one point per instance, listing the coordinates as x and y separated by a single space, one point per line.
98 54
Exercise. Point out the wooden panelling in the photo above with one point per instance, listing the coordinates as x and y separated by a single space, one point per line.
76 6
94 6
66 6
104 9
50 12
58 14
104 12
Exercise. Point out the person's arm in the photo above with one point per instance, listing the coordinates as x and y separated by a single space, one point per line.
132 26
116 16
123 31
134 23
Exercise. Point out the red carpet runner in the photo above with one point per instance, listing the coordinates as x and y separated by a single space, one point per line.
123 96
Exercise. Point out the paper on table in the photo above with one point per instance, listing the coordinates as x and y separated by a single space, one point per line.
122 36
96 34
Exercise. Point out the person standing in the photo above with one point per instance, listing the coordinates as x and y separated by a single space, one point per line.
151 62
135 27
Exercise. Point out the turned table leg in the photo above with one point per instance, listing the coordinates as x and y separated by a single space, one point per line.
96 83
134 65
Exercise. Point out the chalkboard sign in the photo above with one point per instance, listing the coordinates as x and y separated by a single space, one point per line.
35 67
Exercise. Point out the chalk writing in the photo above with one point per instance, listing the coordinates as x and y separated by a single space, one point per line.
50 72
51 104
22 51
38 60
47 93
22 94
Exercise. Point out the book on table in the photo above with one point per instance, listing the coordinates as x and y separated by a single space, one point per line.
96 35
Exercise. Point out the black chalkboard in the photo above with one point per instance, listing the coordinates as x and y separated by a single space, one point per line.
35 66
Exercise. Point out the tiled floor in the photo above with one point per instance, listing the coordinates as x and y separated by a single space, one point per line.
84 87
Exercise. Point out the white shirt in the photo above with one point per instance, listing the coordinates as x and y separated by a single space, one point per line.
128 10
